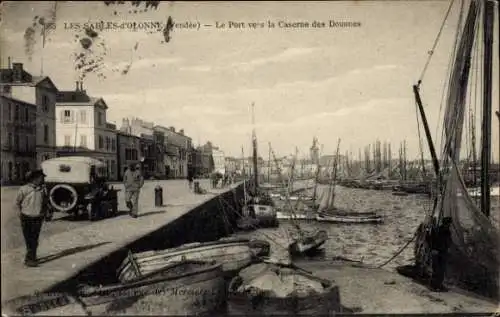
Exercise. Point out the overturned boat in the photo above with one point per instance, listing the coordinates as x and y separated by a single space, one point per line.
183 288
268 289
233 254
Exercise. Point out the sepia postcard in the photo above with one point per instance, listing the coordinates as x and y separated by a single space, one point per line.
250 158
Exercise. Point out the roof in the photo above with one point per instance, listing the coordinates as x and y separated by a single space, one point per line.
6 78
75 159
17 101
78 98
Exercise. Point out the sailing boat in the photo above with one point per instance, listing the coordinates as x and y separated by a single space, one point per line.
261 204
472 261
327 212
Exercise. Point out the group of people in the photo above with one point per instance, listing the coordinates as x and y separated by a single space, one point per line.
224 179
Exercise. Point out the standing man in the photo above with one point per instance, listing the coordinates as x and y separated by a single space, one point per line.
190 177
32 204
441 241
133 182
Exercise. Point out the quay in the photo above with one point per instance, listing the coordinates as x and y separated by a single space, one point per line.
69 254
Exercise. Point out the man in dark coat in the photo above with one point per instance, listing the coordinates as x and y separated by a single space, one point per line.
441 241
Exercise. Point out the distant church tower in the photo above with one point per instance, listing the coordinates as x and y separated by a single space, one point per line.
314 151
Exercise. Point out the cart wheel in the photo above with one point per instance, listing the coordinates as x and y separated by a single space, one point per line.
91 212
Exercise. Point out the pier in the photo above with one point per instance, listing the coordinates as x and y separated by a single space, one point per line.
68 256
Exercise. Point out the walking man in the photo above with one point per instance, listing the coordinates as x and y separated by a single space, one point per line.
133 182
32 204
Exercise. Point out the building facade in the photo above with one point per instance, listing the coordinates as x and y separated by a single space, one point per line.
20 85
178 151
82 129
18 131
128 151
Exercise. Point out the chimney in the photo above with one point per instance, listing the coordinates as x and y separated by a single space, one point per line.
181 131
8 62
17 71
81 86
77 86
172 129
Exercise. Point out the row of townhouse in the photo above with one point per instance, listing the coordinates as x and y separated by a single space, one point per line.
40 122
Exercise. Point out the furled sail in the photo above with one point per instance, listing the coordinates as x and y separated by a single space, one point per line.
473 256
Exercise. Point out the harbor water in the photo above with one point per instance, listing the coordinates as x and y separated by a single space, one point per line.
369 243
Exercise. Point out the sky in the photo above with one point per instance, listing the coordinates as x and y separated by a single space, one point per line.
350 83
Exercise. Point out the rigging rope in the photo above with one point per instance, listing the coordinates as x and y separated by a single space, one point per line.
436 41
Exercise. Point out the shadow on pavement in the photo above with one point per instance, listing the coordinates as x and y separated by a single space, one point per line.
69 251
150 213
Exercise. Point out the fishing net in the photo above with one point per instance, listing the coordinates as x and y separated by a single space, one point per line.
473 255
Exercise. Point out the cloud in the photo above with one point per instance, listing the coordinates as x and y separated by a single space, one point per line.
285 56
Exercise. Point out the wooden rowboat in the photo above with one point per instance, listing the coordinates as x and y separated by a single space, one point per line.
350 219
244 299
308 242
182 288
232 253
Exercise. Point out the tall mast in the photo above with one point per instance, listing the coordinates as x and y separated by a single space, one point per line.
254 145
269 165
488 21
244 176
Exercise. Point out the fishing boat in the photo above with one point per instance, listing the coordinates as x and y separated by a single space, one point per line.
187 287
349 218
261 204
472 261
232 253
268 289
307 242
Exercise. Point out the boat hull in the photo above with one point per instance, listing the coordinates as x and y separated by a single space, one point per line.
324 304
350 219
233 254
308 243
174 290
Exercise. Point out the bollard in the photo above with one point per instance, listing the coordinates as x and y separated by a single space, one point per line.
158 196
197 187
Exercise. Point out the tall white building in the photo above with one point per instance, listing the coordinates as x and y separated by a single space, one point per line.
219 160
82 128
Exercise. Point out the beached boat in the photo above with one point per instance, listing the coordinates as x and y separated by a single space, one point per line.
232 253
182 288
351 219
297 216
308 242
267 289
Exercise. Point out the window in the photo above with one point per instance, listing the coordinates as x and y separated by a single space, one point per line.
101 142
27 143
67 116
83 116
83 140
10 111
16 141
67 140
16 113
113 145
99 118
46 133
26 114
9 140
45 103
108 145
113 167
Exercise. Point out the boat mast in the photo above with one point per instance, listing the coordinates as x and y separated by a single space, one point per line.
254 145
269 165
488 21
244 177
